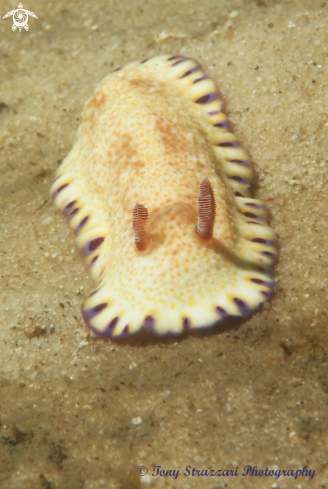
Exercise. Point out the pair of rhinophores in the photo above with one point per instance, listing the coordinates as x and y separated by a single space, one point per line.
157 190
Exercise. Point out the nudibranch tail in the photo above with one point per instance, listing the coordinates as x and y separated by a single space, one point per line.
206 211
141 236
155 132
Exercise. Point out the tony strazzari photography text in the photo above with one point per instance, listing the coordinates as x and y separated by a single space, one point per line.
248 470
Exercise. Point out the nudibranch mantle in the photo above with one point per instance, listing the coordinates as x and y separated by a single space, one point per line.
157 190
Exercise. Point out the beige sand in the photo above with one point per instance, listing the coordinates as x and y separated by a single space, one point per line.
80 412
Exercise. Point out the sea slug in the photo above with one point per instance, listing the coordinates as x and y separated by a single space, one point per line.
157 190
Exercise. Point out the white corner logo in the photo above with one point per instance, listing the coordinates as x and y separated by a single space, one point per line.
20 18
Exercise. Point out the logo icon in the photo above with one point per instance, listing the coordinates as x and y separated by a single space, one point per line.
20 18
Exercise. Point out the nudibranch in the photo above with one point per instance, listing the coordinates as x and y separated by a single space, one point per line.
157 190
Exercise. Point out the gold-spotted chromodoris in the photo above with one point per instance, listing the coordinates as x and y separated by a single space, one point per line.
156 189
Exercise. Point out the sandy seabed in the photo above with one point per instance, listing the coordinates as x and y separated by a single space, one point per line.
79 412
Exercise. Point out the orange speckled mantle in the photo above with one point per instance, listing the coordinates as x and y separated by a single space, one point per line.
150 135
